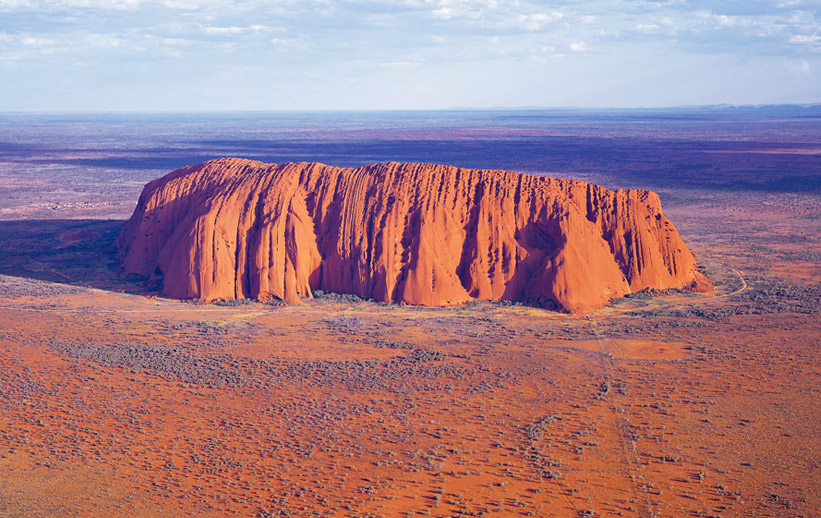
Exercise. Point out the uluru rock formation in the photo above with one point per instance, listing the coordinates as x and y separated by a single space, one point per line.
406 233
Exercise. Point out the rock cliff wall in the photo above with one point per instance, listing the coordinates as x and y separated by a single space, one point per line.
405 233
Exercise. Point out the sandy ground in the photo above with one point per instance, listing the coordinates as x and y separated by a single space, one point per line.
119 403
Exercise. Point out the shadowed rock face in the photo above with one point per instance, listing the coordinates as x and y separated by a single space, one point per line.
407 233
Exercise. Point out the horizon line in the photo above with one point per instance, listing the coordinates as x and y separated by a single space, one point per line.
686 107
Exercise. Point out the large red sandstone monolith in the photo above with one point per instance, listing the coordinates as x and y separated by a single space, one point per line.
406 233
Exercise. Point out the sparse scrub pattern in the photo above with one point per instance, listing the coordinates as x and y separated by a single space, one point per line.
16 287
421 369
504 414
769 295
663 404
765 295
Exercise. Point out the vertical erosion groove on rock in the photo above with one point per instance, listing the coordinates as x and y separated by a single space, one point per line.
406 233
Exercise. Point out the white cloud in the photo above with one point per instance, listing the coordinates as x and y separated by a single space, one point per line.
177 42
401 64
181 4
444 13
104 40
13 4
209 29
286 42
663 24
800 68
307 38
119 5
223 30
534 22
114 5
30 41
453 9
801 39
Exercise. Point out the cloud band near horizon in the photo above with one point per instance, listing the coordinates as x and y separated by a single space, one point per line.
98 55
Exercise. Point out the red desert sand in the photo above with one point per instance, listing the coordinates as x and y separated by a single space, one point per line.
417 234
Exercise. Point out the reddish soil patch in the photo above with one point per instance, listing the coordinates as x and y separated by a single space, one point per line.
676 405
117 403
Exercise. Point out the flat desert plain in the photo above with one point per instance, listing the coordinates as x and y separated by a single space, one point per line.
119 402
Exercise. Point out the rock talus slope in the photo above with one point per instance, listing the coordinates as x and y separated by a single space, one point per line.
406 233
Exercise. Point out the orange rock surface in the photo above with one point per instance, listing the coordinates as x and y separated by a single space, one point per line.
406 233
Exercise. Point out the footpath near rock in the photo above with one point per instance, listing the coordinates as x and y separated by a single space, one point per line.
405 233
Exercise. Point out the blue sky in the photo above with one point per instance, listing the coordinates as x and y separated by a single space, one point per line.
160 55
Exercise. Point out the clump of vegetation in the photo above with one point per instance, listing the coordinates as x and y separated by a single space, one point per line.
535 431
339 297
234 302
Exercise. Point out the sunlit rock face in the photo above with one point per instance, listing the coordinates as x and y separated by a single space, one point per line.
406 233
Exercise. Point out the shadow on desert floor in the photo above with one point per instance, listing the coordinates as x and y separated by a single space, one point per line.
78 252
